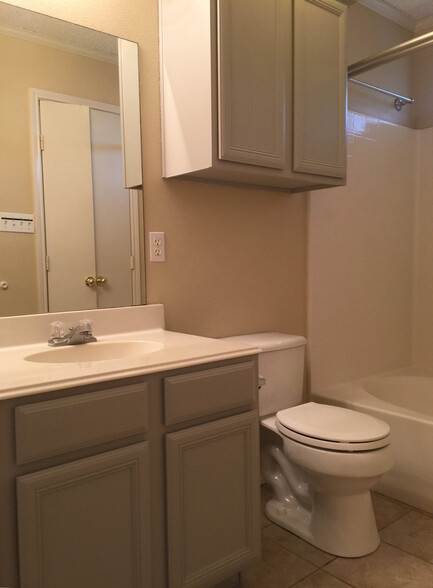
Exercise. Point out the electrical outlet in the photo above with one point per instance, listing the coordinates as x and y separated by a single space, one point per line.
157 246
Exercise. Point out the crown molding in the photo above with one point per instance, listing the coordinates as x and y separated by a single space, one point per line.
391 13
56 44
424 25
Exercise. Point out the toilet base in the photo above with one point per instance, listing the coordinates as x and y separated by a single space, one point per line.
344 526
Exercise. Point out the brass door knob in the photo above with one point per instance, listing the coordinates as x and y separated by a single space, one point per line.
90 281
100 281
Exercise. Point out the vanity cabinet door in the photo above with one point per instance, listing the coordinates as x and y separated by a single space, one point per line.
86 523
213 501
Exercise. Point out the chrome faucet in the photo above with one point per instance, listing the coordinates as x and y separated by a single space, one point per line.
75 336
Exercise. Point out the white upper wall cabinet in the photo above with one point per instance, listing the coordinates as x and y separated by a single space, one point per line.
254 92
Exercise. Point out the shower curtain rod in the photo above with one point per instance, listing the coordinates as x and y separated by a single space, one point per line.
399 101
402 50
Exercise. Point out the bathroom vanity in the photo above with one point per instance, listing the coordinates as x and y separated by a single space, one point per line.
138 471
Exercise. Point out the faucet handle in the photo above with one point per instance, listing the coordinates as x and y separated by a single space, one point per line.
86 325
58 330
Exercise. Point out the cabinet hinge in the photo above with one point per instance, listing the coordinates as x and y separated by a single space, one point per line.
41 142
47 263
131 262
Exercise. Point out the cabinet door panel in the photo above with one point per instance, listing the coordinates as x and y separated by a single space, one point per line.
213 500
319 85
251 87
86 523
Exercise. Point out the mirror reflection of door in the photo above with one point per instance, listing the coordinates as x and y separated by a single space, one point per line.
87 210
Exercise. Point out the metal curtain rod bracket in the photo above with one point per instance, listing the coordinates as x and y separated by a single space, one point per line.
402 50
399 101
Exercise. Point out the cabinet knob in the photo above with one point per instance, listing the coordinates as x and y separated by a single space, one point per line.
90 281
101 281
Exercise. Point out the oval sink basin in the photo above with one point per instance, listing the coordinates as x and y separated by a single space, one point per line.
95 352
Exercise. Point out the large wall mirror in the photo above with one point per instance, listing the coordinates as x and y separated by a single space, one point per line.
70 231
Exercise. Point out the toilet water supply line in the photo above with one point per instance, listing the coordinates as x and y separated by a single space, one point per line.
285 478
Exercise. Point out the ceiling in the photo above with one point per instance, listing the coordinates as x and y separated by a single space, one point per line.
416 15
416 9
58 33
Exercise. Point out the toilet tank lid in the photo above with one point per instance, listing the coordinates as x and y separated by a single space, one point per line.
269 341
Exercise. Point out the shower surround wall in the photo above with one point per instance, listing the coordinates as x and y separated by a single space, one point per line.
422 349
362 249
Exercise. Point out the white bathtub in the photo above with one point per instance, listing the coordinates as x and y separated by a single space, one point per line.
403 399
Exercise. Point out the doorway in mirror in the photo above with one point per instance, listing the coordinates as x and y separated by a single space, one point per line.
65 60
86 217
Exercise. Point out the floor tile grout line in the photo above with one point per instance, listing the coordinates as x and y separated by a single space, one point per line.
325 572
411 511
407 552
404 504
337 578
300 556
394 521
302 579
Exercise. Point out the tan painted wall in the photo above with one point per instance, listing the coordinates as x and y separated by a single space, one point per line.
27 65
236 257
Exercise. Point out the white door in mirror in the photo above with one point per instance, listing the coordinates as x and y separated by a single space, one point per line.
157 246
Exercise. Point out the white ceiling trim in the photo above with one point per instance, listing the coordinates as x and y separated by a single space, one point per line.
55 43
392 13
424 24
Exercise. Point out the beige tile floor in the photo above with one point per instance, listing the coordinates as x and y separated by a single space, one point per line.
403 560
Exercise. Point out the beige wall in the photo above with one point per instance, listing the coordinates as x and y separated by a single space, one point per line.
361 258
27 65
236 258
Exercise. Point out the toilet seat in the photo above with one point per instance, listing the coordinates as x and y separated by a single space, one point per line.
332 428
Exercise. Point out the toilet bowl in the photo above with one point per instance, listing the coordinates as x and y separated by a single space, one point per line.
330 459
322 460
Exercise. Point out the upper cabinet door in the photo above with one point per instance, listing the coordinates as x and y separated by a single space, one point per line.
319 88
254 92
251 62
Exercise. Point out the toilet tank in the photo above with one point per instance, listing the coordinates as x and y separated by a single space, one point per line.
281 363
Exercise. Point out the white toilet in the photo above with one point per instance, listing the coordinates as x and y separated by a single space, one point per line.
329 458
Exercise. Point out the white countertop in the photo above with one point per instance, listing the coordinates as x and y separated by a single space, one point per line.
20 377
